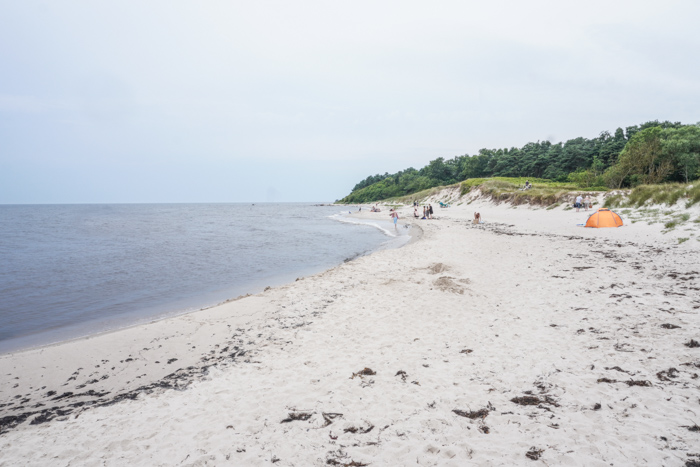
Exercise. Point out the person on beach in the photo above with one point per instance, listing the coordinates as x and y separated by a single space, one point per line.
477 218
579 201
395 216
587 202
415 212
430 211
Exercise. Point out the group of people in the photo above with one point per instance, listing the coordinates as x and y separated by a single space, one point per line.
582 202
427 211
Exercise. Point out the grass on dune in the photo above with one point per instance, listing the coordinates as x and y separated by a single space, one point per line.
668 194
543 192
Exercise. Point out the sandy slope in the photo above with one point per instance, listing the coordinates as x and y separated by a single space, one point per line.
526 305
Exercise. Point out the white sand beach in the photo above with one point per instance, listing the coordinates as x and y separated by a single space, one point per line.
524 340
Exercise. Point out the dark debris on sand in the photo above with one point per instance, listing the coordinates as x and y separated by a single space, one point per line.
354 429
343 464
534 453
65 403
297 416
472 415
178 380
364 372
666 374
643 383
631 382
534 400
692 344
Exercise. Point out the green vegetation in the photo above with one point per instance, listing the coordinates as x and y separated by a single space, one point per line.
670 219
683 239
543 192
668 194
650 153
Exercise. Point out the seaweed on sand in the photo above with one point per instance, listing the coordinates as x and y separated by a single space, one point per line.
354 429
666 374
481 413
364 372
534 400
534 453
294 416
343 464
643 383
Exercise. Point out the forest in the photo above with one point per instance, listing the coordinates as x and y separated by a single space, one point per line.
651 153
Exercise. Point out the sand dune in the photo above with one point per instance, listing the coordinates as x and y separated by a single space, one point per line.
519 341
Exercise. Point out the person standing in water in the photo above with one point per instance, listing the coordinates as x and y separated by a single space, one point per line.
395 215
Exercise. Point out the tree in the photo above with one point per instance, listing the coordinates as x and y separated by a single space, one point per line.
643 156
610 147
683 146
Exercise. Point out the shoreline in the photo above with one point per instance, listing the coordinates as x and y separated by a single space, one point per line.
161 378
374 360
98 326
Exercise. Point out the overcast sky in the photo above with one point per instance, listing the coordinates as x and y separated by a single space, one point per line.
173 101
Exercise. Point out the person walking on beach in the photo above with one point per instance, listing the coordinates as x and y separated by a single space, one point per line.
587 202
430 210
577 204
395 216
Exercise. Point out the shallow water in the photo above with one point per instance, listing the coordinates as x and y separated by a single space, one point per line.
73 270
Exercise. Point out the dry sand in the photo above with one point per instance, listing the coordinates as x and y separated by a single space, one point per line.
520 341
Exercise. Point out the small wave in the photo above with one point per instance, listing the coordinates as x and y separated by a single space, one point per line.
346 220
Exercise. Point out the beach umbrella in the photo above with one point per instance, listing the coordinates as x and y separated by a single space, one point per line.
604 218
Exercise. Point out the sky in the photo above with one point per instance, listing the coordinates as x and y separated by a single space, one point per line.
231 101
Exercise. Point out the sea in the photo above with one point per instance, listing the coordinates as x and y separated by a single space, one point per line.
68 271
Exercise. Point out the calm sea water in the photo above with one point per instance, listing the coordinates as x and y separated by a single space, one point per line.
73 270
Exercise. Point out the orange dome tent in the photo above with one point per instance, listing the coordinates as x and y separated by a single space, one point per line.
604 218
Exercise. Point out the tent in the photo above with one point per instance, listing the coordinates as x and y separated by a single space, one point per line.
604 218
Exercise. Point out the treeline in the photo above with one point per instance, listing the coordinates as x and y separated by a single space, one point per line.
653 152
